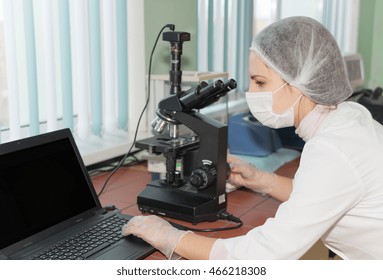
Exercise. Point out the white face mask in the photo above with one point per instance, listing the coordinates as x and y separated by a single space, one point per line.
261 106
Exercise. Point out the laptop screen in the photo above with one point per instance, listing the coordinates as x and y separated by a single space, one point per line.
40 186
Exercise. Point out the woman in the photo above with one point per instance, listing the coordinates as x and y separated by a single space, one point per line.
297 78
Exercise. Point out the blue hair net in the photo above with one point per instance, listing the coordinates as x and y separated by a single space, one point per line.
305 54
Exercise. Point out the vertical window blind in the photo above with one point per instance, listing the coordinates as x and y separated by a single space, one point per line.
226 28
224 33
341 17
78 64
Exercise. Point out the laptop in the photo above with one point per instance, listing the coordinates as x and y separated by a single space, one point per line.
49 208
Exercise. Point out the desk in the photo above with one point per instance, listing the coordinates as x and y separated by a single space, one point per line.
253 208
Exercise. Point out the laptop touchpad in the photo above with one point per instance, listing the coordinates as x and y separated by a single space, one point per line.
119 253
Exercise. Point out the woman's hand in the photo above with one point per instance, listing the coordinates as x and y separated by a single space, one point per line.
156 231
247 175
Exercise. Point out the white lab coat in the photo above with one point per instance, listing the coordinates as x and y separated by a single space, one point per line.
337 196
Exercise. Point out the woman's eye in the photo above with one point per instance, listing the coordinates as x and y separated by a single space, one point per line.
259 83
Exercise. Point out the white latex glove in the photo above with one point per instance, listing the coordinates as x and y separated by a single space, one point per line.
157 232
247 175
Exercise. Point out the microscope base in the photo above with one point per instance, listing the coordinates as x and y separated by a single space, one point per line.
180 205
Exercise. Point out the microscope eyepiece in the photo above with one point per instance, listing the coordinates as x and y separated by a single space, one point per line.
230 85
196 97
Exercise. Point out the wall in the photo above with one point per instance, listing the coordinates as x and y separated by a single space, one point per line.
376 78
181 13
370 42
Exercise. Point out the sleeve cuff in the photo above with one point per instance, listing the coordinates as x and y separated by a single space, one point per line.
218 251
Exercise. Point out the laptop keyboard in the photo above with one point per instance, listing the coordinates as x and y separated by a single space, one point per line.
86 243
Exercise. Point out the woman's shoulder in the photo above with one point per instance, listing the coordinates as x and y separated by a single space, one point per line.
347 118
345 132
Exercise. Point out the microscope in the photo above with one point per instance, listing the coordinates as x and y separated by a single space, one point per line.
197 192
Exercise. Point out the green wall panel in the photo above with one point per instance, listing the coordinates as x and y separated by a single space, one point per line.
181 13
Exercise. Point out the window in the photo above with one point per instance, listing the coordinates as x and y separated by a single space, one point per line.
226 28
65 64
341 18
224 33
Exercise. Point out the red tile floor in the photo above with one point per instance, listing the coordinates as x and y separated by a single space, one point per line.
252 208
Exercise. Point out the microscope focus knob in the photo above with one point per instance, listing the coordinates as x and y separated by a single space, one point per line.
203 176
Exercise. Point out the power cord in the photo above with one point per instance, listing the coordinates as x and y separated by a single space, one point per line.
222 215
171 27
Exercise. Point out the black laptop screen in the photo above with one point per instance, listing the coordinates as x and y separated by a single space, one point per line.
40 187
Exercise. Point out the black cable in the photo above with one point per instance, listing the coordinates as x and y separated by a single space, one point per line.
223 215
108 165
111 166
171 27
110 208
